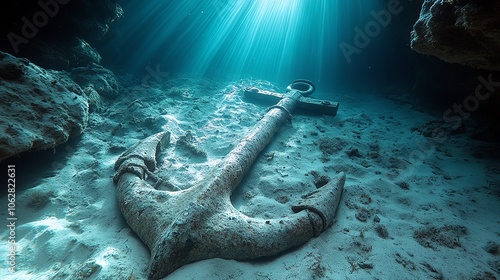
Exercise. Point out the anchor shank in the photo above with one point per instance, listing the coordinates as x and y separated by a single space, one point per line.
234 166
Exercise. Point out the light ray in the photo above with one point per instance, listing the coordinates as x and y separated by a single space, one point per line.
268 39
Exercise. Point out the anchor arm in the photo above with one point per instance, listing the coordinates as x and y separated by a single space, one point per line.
249 238
132 167
139 203
227 233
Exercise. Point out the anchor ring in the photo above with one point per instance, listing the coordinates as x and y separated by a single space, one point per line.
305 87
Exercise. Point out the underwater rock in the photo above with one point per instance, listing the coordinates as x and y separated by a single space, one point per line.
353 152
460 31
381 231
65 54
40 108
492 248
102 80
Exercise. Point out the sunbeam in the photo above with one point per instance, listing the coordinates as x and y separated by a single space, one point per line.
271 39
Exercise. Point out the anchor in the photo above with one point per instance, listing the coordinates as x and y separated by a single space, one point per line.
200 222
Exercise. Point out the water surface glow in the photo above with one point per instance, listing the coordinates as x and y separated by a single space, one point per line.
269 39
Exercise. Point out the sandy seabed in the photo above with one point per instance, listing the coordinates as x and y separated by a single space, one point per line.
412 208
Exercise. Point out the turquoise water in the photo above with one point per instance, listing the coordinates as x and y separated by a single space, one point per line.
277 40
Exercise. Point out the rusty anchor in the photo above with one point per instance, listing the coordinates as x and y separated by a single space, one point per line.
199 222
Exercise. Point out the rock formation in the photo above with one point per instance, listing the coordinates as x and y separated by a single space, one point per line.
460 31
40 108
98 78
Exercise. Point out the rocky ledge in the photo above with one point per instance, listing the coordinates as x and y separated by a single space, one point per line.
460 31
40 108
